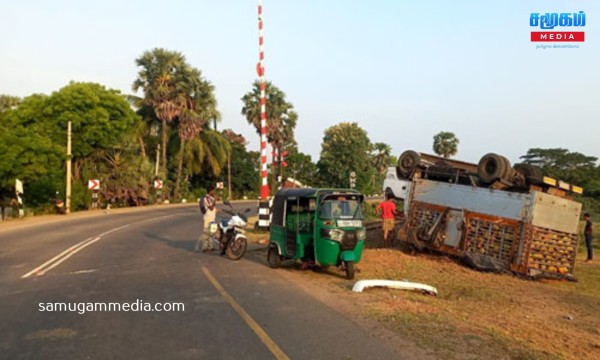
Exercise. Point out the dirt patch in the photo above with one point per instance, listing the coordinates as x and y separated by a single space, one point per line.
52 334
475 316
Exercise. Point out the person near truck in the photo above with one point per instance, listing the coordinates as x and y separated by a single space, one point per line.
587 233
387 210
209 211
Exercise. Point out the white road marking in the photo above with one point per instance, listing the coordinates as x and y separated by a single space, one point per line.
83 271
61 260
63 256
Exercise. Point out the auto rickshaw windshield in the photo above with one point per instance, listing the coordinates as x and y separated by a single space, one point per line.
340 209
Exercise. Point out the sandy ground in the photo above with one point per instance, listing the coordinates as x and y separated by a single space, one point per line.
475 316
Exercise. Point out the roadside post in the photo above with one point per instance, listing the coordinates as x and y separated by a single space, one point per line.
158 185
94 185
19 192
220 186
352 180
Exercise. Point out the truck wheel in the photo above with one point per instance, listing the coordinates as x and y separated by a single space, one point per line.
532 174
349 269
408 162
507 167
273 258
389 194
491 168
537 178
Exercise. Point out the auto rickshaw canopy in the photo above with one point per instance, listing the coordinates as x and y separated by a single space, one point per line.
279 202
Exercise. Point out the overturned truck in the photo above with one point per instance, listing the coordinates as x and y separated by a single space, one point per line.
509 219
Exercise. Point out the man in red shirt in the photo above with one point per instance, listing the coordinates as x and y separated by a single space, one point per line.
387 210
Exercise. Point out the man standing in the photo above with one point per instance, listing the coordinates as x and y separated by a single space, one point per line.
208 208
587 232
387 210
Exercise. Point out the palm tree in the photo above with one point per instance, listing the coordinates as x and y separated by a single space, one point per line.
160 77
208 150
445 144
200 107
381 157
281 117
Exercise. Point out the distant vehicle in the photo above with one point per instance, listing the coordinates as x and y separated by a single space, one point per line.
502 222
317 225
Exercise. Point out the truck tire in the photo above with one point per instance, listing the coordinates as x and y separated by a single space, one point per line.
508 168
408 162
389 194
491 167
532 174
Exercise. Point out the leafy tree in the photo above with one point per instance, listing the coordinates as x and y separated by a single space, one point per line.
243 166
101 119
563 164
8 102
559 159
124 174
572 167
346 147
445 144
281 117
301 167
27 156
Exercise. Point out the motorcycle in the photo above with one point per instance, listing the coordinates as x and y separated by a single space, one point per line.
229 234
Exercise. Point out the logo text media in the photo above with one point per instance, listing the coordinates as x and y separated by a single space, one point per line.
560 23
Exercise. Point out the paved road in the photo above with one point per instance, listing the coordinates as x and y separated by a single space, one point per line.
233 310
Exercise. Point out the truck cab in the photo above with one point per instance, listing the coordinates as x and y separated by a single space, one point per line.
397 188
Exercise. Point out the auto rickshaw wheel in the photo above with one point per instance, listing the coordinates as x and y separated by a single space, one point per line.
273 258
349 265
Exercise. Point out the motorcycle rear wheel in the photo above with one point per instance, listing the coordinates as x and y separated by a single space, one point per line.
237 248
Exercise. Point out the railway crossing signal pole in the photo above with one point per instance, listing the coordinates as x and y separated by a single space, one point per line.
263 206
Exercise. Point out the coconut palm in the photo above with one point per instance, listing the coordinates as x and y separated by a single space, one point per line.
207 151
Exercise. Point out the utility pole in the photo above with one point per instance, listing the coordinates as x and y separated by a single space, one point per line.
294 172
229 176
68 192
157 159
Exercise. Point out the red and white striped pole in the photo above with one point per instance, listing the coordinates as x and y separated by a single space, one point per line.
264 208
264 189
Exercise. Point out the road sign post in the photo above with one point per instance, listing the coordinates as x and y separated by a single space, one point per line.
94 185
158 185
95 200
352 179
19 193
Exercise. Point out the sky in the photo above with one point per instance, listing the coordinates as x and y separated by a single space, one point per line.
403 70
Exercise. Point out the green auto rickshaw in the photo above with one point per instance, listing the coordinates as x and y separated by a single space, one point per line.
320 225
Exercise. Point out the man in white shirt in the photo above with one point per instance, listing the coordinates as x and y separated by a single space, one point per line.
209 217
